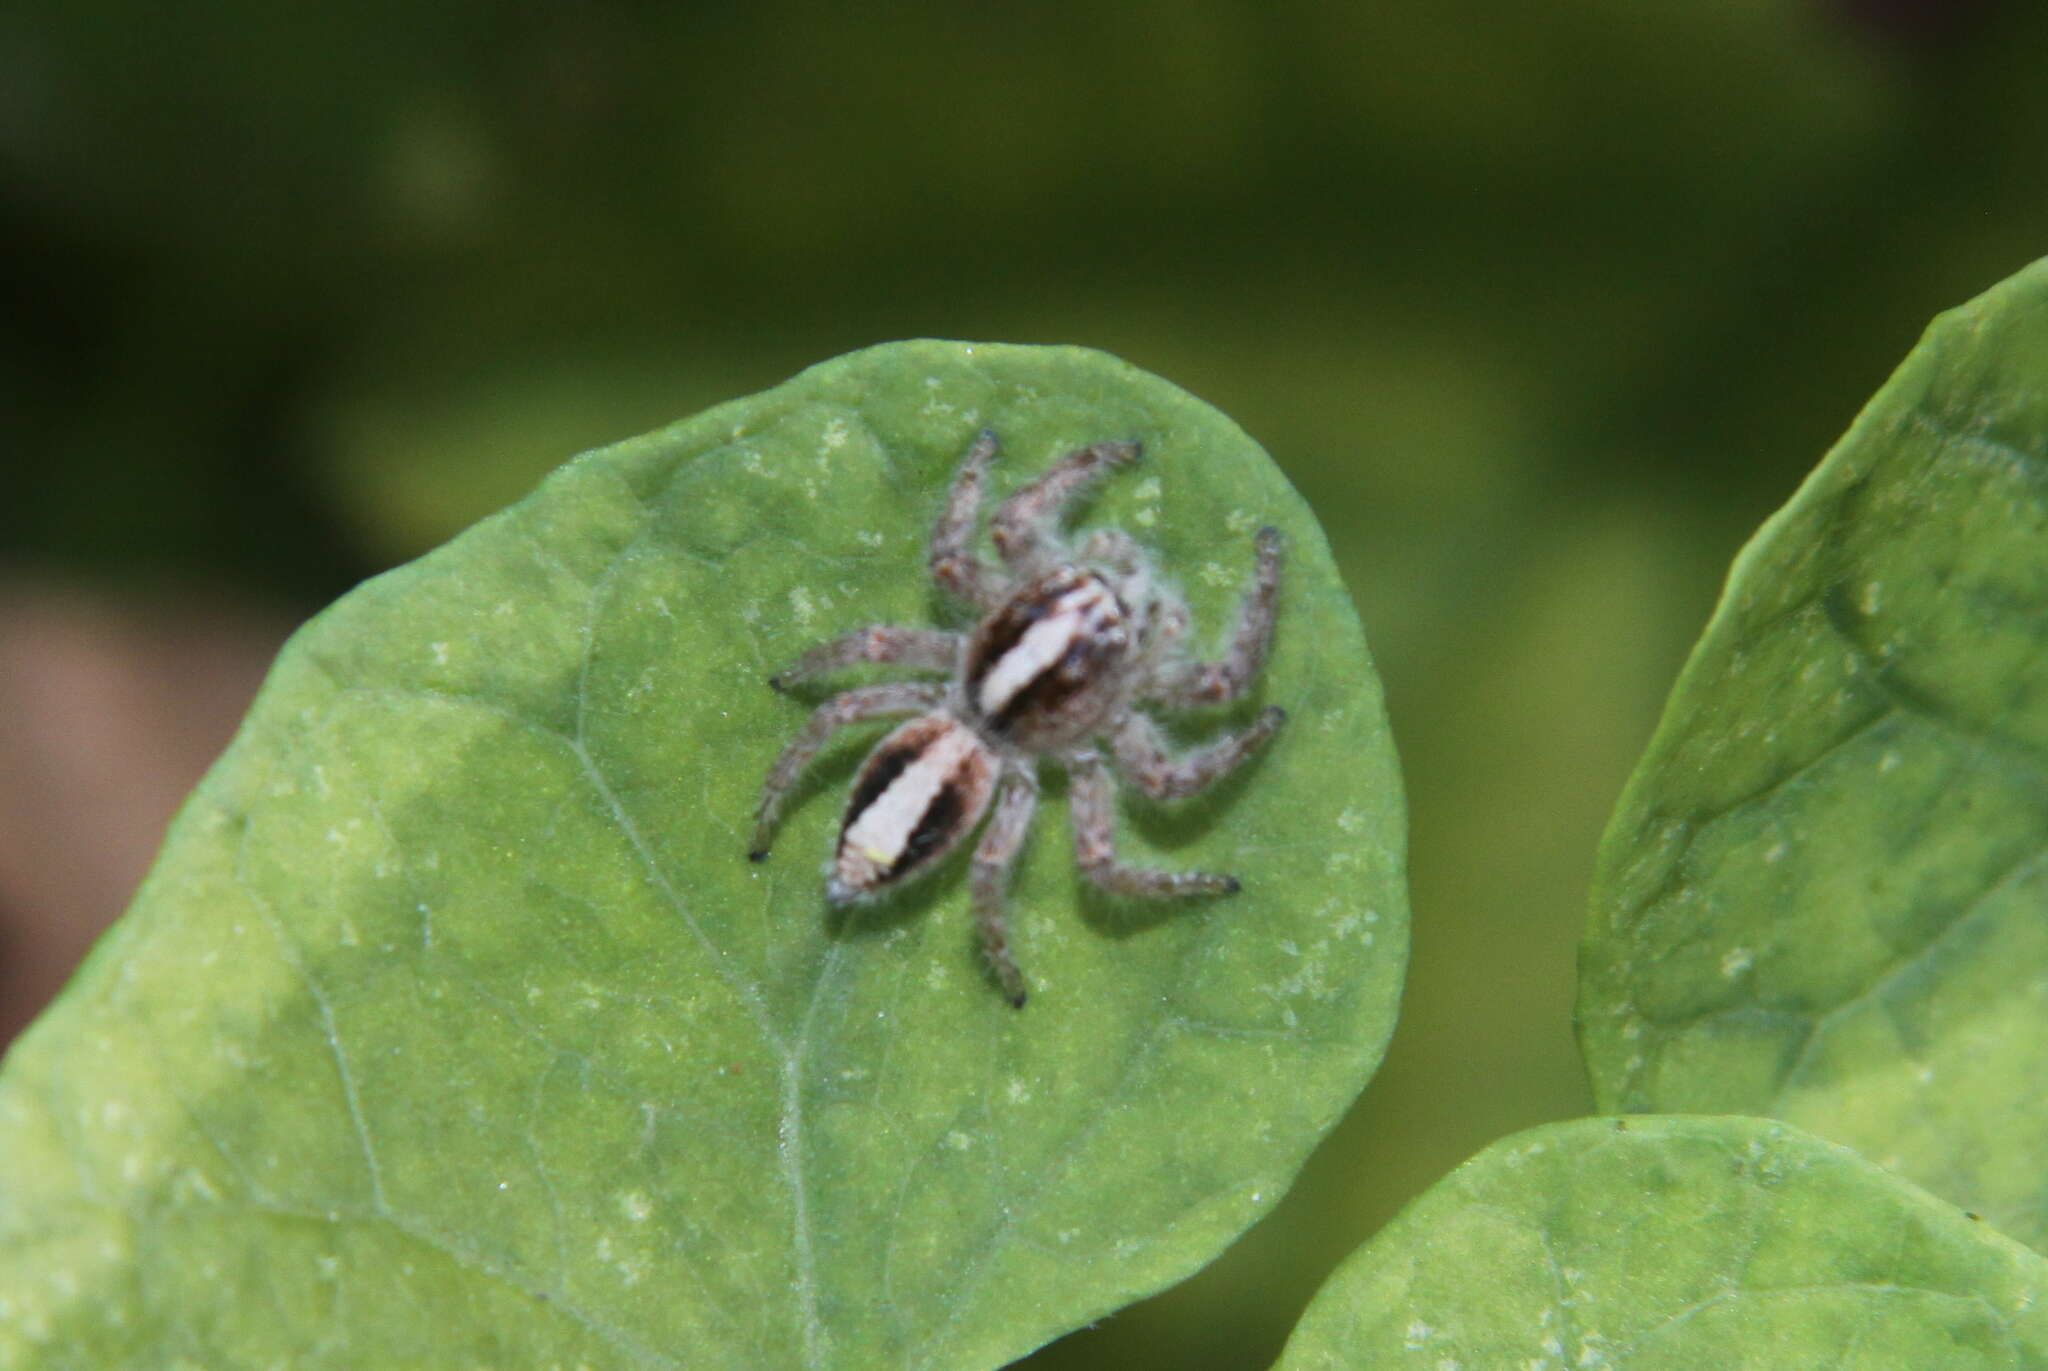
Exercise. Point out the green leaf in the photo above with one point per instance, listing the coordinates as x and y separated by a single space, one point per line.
1676 1244
453 1028
1821 897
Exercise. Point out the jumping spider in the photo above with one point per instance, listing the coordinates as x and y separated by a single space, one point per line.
1071 642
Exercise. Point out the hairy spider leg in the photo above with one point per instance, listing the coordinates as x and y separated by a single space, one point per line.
1024 524
887 700
928 649
990 880
1142 757
1089 792
953 564
1193 684
1115 549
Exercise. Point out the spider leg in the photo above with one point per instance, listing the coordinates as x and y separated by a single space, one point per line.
869 702
993 859
1088 800
952 564
1113 548
1024 523
1142 757
929 649
1210 683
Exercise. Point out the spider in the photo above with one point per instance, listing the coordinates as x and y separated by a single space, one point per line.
1071 642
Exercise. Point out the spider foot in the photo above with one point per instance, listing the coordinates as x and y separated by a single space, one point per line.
1012 981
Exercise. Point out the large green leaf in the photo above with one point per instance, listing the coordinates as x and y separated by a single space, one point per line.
454 1029
1822 895
1678 1244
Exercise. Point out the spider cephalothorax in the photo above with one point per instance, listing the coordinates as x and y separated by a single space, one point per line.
1070 644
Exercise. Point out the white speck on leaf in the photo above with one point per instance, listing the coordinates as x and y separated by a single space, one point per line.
933 404
1147 492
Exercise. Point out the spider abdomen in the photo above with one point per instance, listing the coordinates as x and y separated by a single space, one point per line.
924 788
1042 669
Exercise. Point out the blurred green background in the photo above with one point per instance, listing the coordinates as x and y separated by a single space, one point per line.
1543 306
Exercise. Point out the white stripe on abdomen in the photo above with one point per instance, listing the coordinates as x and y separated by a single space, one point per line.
882 830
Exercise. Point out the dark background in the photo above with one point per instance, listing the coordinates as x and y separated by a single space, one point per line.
1543 307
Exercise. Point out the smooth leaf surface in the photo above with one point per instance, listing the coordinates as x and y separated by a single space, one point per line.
1821 897
454 1029
1668 1243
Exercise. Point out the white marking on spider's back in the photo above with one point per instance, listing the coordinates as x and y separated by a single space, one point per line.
882 830
1081 611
